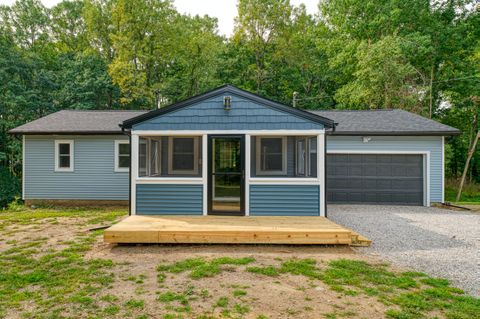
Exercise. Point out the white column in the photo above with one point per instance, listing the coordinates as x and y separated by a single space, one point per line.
23 167
321 171
247 173
205 173
134 173
443 169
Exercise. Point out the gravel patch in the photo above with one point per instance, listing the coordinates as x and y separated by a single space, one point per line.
439 242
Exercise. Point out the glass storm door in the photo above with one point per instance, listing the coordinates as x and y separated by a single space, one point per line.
226 175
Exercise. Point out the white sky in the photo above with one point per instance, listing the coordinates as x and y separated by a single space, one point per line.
224 10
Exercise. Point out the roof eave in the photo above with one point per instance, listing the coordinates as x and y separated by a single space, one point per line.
396 133
65 132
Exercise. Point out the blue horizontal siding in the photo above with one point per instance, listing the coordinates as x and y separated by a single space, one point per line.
433 144
162 199
244 115
284 200
93 178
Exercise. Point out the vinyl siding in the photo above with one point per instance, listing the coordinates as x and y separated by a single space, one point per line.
284 200
93 176
432 144
156 199
244 115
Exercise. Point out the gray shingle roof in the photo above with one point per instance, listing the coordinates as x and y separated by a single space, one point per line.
78 122
384 122
369 122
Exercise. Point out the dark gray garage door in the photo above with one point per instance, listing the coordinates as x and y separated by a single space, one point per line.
375 179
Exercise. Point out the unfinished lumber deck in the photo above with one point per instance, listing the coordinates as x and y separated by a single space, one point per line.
229 230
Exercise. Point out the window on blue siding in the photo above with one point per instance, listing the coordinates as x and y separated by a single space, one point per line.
64 155
271 155
306 156
287 156
169 156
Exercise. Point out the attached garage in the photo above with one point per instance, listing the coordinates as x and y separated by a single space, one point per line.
375 179
385 157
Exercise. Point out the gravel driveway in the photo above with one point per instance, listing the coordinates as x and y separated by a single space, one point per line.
436 241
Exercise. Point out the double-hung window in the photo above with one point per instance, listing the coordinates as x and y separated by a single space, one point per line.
271 155
122 156
64 155
183 155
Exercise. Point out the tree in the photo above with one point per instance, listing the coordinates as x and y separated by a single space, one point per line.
258 25
68 27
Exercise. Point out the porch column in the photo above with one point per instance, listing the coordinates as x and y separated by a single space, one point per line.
134 173
321 172
247 173
205 173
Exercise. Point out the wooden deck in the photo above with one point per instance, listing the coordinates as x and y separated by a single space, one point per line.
231 230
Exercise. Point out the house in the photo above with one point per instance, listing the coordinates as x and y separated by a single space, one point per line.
231 152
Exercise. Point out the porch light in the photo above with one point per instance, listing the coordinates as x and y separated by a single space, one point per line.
366 139
227 103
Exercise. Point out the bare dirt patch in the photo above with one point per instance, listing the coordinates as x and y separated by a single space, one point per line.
285 296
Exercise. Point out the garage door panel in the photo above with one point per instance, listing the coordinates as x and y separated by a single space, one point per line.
375 178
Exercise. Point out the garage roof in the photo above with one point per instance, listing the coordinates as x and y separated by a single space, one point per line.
384 122
366 122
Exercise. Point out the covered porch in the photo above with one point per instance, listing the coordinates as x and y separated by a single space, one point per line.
232 230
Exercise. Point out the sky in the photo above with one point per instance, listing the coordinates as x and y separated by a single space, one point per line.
224 10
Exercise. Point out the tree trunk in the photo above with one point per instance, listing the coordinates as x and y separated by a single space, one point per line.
465 170
430 102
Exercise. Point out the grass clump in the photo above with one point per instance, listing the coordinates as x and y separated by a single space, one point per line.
415 294
201 268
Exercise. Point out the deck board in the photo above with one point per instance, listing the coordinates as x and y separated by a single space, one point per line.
228 230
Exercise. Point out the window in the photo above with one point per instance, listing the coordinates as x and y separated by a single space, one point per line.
183 155
312 150
142 157
169 156
122 156
306 156
64 155
271 156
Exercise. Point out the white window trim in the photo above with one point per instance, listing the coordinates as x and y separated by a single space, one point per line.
117 153
172 171
258 166
57 153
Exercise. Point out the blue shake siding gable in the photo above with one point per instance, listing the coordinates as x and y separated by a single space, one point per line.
244 114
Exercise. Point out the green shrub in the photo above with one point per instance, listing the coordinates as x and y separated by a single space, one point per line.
9 187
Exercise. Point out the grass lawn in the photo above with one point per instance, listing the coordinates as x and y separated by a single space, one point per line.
52 266
470 193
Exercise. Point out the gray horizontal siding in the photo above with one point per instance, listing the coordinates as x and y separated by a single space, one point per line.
162 199
433 144
94 175
244 115
284 200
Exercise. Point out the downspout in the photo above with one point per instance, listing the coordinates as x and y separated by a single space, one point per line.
129 171
325 168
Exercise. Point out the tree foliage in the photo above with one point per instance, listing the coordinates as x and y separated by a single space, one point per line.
422 56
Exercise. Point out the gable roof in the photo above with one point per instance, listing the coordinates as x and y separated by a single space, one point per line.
77 122
229 89
385 122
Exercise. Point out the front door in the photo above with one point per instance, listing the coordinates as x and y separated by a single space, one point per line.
226 175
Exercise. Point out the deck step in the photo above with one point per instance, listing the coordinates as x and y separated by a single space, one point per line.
360 241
